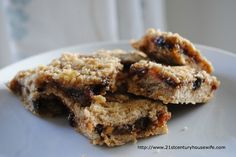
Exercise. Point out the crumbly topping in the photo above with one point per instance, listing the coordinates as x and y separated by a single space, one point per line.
76 70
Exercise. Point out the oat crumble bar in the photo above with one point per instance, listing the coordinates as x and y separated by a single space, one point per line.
117 119
171 49
171 84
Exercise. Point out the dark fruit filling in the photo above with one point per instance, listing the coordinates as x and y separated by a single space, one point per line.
37 104
42 87
142 124
83 96
214 87
138 71
99 128
162 43
49 105
197 83
97 89
71 119
127 65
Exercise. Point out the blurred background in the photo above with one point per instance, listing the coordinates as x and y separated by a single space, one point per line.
29 27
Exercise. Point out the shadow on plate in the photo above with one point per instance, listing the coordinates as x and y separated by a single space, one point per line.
178 111
10 103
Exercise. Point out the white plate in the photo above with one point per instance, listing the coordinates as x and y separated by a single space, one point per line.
24 135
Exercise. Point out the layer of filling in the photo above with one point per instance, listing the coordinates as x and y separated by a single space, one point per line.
83 95
144 73
139 126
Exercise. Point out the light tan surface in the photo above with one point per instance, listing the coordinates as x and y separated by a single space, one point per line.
115 114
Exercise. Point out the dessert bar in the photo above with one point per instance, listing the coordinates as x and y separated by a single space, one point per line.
171 84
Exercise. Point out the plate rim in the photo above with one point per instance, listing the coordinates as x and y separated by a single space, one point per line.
213 49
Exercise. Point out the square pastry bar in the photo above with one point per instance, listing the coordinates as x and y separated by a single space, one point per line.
171 84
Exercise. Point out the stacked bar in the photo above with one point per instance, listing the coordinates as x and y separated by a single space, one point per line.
114 97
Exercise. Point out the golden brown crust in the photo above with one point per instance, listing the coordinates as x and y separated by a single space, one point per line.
171 49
